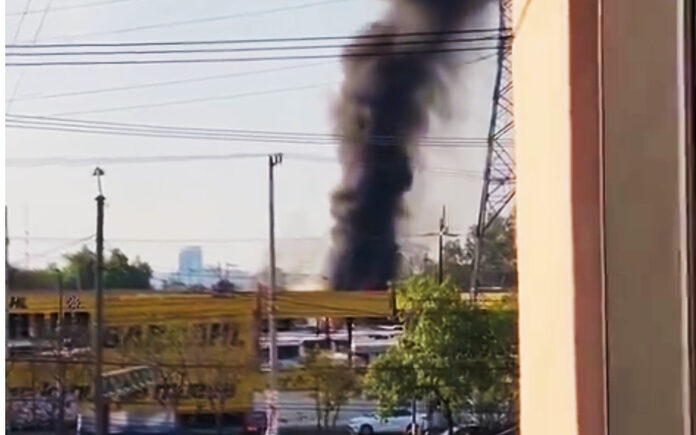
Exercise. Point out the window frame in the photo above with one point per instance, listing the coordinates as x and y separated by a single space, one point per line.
690 145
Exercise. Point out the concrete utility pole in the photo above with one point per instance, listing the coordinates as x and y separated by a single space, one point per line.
273 160
440 236
8 424
101 425
61 338
7 253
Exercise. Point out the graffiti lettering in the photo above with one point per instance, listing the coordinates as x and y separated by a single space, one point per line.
18 302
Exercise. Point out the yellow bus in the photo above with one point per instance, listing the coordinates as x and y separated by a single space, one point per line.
201 348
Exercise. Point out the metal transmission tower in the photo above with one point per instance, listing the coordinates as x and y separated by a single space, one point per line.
499 173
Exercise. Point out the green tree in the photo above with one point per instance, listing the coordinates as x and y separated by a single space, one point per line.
79 272
498 260
452 351
29 279
456 264
498 266
165 348
331 383
119 272
218 381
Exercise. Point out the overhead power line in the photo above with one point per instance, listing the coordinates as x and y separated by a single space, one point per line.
201 240
63 161
392 35
23 14
245 59
153 130
69 7
167 82
398 44
200 79
199 99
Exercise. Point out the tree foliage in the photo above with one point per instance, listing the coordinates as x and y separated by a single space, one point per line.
331 383
452 351
165 349
498 261
120 273
80 272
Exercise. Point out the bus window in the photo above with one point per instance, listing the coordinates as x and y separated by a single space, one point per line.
233 337
81 329
200 334
155 330
38 326
226 333
342 345
13 326
215 333
18 325
265 355
288 352
133 335
112 337
82 320
53 323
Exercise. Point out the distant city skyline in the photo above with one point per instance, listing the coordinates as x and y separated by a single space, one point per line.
190 264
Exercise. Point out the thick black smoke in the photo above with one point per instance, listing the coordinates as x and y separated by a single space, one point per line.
382 112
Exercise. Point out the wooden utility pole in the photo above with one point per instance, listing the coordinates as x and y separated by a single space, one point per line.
273 160
101 427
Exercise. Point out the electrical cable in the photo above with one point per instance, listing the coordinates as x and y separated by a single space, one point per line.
145 130
348 55
252 49
165 83
267 40
69 7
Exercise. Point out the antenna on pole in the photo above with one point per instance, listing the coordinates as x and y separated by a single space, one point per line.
499 173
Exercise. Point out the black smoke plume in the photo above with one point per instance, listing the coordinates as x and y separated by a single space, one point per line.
382 112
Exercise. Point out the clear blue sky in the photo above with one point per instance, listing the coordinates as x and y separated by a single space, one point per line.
219 199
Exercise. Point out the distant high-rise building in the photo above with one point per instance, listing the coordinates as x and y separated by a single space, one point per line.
190 264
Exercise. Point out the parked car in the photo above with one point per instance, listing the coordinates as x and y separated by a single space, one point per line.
398 422
255 423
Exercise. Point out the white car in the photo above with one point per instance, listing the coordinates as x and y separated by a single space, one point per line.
398 422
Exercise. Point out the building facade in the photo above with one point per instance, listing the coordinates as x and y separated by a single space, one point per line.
603 94
190 264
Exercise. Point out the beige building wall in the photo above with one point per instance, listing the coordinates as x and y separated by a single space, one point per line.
601 217
644 217
558 198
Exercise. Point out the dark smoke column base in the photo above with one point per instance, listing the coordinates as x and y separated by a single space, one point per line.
382 112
